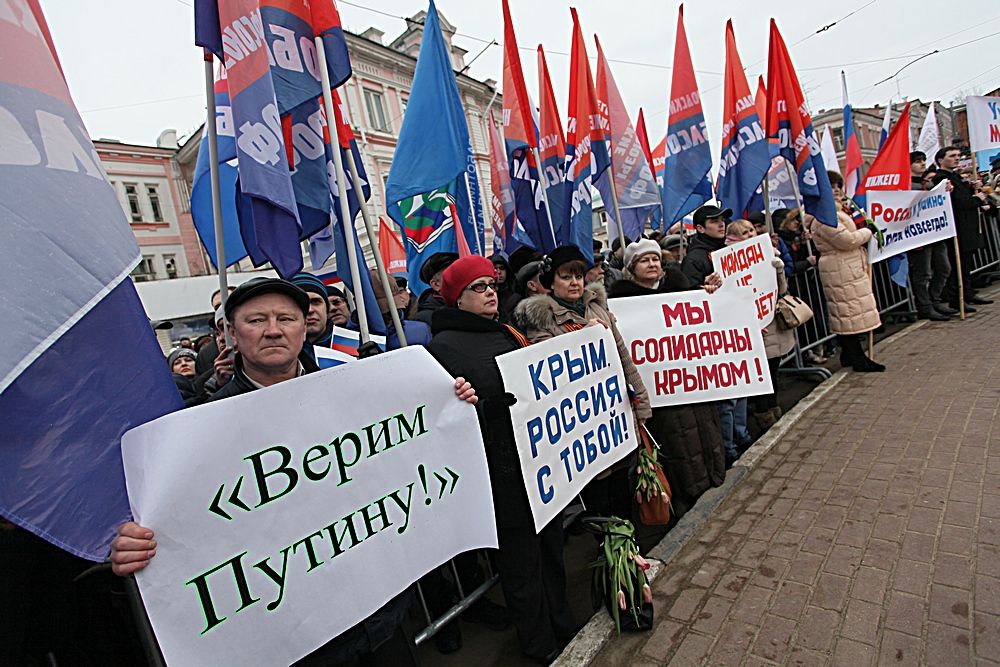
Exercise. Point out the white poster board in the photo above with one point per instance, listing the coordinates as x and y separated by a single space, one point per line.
572 419
909 219
286 515
691 347
749 264
984 129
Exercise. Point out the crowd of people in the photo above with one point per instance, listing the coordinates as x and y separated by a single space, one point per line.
477 309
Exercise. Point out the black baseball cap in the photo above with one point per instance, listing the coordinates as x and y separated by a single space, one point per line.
258 286
711 211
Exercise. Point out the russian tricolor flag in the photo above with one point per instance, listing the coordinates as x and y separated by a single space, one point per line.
343 348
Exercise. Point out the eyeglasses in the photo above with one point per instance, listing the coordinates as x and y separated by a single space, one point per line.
480 288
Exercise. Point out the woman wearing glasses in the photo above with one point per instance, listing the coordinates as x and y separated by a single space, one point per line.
570 306
467 338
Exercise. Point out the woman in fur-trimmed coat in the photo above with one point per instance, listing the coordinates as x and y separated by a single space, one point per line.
570 306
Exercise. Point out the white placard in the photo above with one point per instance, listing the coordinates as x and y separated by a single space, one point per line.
572 419
691 347
286 515
909 219
749 264
984 129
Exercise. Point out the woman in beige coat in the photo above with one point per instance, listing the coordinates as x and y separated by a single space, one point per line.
843 268
570 306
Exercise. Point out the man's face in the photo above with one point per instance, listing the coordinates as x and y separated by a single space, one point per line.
340 313
317 316
918 167
501 273
435 282
596 272
950 160
217 299
268 331
714 228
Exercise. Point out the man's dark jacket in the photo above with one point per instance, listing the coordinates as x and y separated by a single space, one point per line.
966 207
697 264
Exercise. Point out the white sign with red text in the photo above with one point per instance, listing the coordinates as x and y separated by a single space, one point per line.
692 347
909 219
750 264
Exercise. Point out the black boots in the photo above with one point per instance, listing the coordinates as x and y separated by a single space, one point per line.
852 354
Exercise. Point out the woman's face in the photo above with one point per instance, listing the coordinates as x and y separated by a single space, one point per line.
838 191
745 234
567 286
480 297
648 269
184 365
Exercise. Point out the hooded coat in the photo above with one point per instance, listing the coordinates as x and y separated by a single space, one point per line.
690 436
542 317
843 269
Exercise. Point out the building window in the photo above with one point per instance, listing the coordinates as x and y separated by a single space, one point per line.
144 271
376 110
838 138
170 264
154 202
132 194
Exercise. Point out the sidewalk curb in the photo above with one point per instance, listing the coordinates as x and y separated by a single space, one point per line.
600 628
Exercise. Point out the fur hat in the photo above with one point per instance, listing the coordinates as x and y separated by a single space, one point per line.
552 261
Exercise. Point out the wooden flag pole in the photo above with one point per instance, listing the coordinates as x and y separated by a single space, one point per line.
614 202
545 195
961 282
765 191
345 216
213 170
383 274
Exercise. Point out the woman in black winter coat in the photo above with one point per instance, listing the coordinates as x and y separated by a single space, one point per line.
690 436
467 338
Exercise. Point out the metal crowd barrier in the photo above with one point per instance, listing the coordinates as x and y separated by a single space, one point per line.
894 301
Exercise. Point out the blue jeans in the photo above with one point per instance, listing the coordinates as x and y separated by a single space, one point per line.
733 417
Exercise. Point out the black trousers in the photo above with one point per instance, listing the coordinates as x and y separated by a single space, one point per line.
930 270
532 575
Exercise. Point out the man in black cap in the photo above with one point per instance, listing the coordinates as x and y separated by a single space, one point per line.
267 321
340 309
710 228
430 273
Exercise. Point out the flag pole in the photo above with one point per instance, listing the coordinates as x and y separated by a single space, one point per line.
798 200
213 169
345 216
472 212
961 285
545 195
614 202
376 251
765 191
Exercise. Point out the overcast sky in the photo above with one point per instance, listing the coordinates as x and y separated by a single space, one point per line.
134 71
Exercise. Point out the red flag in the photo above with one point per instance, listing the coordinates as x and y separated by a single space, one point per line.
502 195
760 100
891 168
463 245
552 143
391 249
518 126
640 130
585 116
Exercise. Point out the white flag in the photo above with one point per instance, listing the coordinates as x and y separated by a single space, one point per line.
930 139
828 152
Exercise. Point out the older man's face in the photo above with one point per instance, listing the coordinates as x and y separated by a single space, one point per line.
269 331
